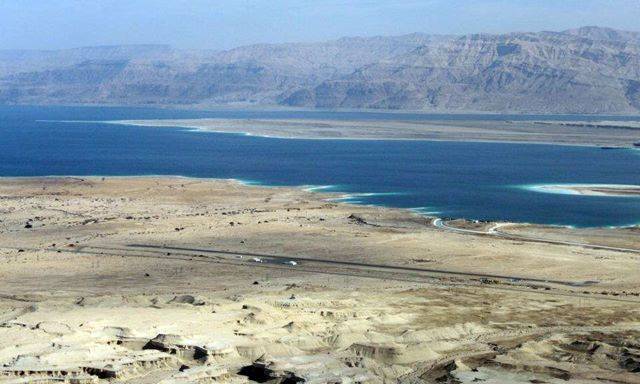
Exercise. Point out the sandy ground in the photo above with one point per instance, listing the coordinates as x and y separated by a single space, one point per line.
609 134
174 280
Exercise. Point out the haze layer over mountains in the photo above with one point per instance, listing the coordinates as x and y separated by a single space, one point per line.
586 70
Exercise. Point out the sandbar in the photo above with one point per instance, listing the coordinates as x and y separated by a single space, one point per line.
556 133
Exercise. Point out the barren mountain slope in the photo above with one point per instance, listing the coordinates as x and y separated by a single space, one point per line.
587 70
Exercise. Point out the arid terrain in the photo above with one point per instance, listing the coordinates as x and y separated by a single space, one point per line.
590 70
177 280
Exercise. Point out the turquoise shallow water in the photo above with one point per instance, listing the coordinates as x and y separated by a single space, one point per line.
450 179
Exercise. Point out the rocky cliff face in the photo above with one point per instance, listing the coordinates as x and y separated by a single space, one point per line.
586 70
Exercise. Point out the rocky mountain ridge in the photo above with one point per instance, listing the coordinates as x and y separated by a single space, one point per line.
584 70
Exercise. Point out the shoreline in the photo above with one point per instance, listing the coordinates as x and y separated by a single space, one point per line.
336 197
472 131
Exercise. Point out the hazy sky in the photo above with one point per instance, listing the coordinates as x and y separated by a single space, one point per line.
50 24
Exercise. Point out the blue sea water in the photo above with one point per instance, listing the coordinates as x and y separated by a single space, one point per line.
448 179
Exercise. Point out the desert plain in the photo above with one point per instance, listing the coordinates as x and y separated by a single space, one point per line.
178 280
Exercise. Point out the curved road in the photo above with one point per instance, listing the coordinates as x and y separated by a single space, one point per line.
493 231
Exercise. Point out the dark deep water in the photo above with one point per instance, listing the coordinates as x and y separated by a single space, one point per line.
470 180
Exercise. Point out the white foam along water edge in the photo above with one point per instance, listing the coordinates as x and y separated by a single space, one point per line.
355 196
248 182
186 128
427 211
350 198
319 188
570 189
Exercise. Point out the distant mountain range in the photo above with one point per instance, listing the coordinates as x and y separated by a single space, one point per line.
585 70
